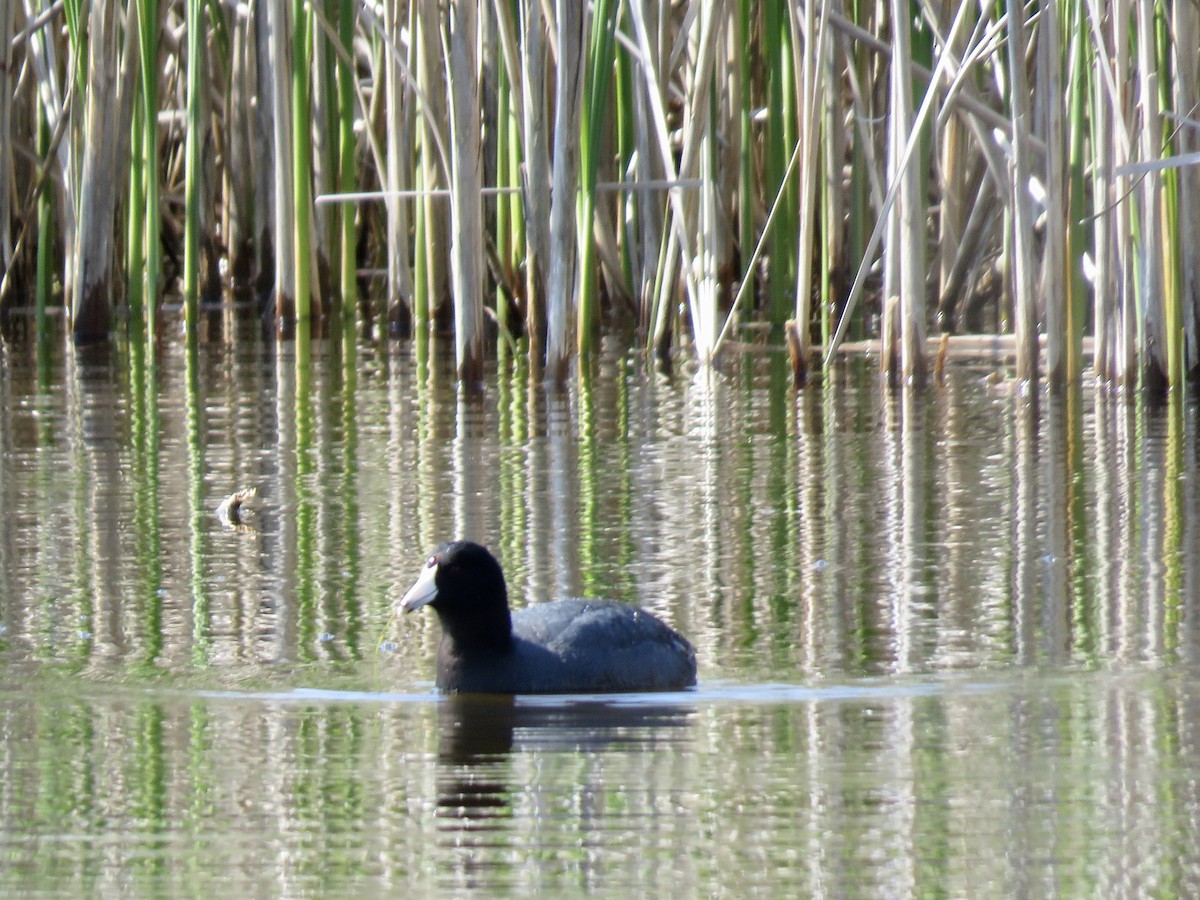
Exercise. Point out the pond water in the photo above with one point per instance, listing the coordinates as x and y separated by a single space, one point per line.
948 642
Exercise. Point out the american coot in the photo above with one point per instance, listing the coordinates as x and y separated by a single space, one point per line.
566 646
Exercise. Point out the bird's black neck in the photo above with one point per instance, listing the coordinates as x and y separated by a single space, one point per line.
487 632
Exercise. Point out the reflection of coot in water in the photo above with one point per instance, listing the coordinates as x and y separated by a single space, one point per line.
476 728
568 646
480 728
482 735
477 735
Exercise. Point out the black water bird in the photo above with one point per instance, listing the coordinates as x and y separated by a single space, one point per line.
560 647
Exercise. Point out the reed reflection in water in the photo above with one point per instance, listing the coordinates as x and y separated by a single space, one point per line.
1077 785
831 531
947 642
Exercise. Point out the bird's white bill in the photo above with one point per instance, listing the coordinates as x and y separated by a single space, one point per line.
423 591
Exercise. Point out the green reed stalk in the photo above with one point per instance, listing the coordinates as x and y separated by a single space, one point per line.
302 39
45 246
781 137
326 137
1185 85
46 145
142 251
1172 312
74 13
150 252
7 81
135 224
422 285
192 174
347 174
516 211
599 66
1172 251
508 240
502 218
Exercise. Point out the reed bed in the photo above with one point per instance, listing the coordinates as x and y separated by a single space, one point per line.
711 169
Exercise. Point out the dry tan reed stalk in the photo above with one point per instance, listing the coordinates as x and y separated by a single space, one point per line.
811 103
703 219
560 288
536 171
398 148
278 55
94 247
1154 291
1054 278
677 242
241 143
1020 204
466 202
909 212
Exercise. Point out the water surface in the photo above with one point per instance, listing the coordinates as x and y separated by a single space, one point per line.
947 645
